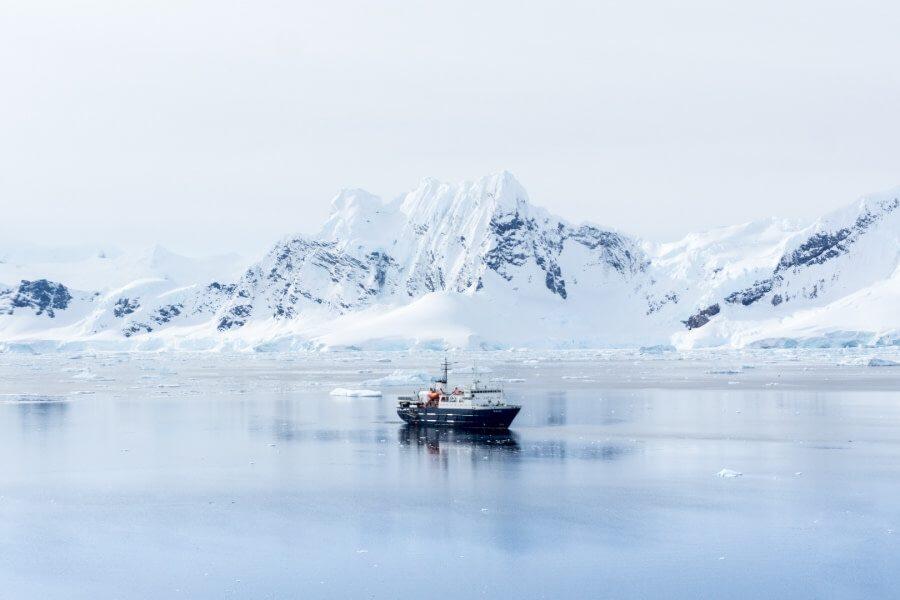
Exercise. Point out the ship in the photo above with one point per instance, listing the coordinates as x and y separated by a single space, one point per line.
474 407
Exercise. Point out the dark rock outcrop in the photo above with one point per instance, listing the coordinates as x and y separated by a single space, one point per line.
701 317
125 306
43 296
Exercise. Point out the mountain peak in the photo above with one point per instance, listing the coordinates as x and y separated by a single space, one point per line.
433 199
351 200
505 189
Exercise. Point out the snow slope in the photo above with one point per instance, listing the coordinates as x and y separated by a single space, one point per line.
474 265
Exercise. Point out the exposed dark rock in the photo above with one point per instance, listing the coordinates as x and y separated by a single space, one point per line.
702 317
618 251
224 288
236 317
753 293
516 239
511 247
125 306
135 328
815 250
241 311
45 297
824 246
554 281
381 263
656 304
166 313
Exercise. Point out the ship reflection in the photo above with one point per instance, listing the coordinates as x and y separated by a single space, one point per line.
433 440
43 413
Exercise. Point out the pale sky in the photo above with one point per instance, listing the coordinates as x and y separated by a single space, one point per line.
219 126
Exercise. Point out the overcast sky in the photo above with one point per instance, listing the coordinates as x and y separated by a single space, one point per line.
218 126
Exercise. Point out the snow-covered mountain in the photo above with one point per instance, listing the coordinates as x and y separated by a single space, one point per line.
476 265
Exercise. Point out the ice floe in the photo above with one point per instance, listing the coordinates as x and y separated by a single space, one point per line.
349 392
658 349
882 362
728 473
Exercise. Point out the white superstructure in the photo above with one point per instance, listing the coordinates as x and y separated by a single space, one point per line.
474 395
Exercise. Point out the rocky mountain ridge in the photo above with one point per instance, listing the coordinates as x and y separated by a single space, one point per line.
476 264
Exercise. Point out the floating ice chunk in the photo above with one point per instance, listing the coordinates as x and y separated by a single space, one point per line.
658 349
84 374
348 392
724 372
508 380
728 473
882 362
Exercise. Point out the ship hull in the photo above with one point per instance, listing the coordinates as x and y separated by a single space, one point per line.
460 418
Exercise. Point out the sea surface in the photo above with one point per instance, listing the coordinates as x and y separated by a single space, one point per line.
240 476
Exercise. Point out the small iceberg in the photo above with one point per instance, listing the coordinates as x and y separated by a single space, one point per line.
882 362
658 349
355 393
728 473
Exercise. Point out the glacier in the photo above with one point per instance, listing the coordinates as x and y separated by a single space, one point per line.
476 266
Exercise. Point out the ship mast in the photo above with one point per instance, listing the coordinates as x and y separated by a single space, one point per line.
446 367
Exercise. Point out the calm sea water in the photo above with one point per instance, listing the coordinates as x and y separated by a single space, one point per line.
241 477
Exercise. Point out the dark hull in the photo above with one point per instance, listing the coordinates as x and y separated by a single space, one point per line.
460 418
